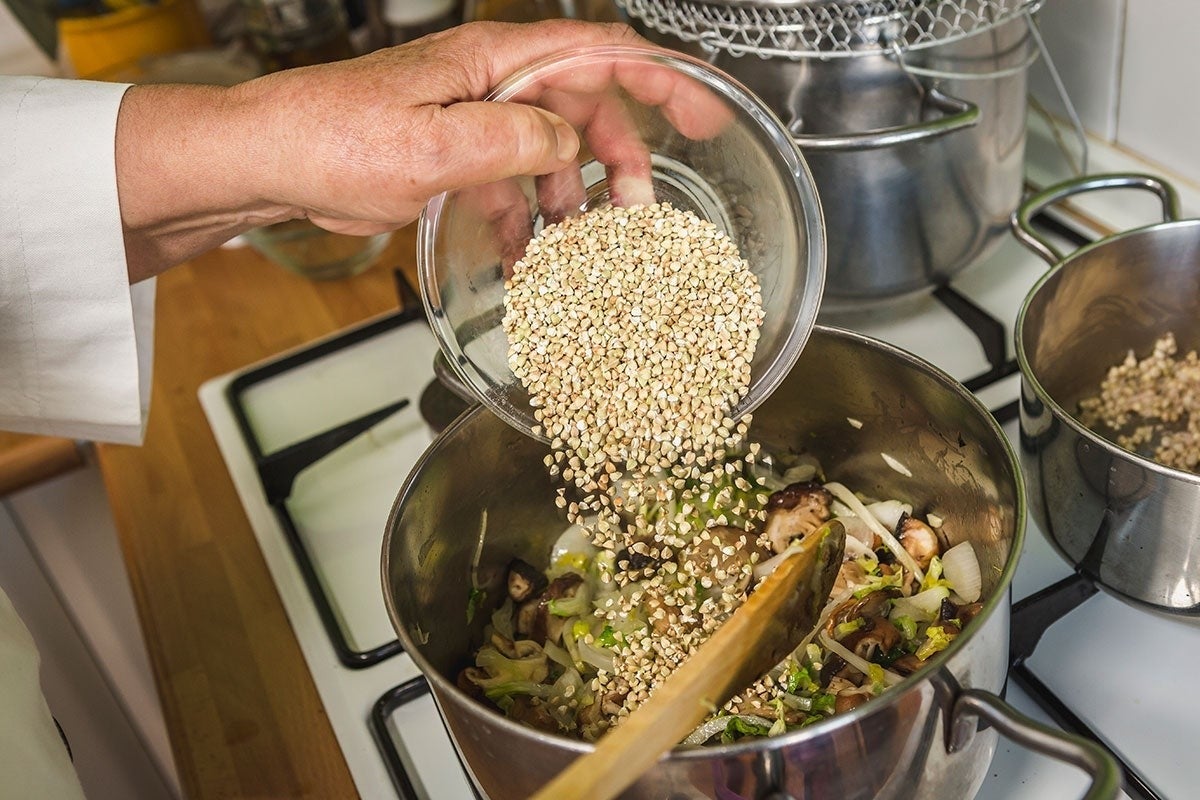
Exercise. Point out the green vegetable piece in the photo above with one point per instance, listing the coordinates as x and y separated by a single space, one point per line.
475 599
799 679
937 638
844 629
607 637
823 702
875 673
933 576
907 627
739 728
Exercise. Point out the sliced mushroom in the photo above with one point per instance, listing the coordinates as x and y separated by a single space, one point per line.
947 611
796 511
969 612
877 635
468 686
906 665
532 712
524 580
723 555
831 670
849 700
614 699
592 724
874 605
918 539
534 620
629 560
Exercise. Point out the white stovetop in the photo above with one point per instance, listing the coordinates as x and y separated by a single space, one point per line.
1126 672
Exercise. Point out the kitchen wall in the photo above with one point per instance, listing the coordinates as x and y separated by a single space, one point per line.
1132 69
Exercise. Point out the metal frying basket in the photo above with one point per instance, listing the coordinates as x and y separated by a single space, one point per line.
824 29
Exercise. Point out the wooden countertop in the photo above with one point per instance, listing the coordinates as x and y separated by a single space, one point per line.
241 709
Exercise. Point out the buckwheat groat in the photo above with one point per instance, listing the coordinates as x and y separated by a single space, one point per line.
1157 394
633 329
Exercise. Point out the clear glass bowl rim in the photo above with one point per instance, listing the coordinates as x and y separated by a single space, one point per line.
731 90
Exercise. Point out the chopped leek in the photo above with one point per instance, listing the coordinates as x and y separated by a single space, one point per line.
937 638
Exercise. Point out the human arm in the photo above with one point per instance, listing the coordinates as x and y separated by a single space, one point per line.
356 147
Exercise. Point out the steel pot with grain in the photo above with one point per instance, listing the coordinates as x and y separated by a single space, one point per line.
1123 520
920 739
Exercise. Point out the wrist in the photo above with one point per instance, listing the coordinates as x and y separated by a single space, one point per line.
191 173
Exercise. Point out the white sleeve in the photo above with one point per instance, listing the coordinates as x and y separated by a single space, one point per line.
75 338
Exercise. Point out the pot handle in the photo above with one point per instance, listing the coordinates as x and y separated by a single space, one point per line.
1023 228
959 114
973 704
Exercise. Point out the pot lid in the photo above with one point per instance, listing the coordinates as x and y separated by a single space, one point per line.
824 29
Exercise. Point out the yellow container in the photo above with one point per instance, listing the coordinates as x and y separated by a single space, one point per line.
110 46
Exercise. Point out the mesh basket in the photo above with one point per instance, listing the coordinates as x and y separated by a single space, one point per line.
823 28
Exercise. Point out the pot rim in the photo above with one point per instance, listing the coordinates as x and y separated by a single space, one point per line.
1075 261
998 596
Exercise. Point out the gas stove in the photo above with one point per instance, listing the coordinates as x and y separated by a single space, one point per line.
318 441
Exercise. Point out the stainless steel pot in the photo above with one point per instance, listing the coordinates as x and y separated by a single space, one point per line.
919 740
918 163
1125 521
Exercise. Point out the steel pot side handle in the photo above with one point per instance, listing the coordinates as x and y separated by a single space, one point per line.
959 114
1021 219
972 705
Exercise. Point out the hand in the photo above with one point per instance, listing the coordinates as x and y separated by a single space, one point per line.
388 131
357 146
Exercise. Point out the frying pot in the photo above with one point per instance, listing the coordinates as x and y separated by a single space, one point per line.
1125 521
918 176
480 496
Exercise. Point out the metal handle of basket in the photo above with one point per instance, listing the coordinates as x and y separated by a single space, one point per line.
958 114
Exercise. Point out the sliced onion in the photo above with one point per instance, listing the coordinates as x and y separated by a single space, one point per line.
846 496
856 661
799 473
764 568
856 549
888 512
921 607
960 568
897 465
478 550
557 654
502 619
855 527
598 657
574 539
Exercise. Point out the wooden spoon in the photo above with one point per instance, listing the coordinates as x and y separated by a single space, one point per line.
783 608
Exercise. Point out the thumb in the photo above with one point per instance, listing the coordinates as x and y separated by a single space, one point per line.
490 141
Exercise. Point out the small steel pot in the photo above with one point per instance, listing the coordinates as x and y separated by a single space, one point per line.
480 496
1124 521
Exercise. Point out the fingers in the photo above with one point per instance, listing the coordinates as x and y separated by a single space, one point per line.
494 222
475 143
608 127
493 51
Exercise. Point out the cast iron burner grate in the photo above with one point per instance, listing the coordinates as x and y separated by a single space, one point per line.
391 701
278 470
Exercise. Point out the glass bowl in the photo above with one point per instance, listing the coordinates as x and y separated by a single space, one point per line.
654 126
